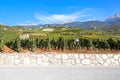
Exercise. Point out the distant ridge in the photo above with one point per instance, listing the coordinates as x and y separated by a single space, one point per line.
113 20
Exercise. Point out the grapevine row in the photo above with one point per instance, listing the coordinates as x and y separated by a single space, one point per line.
61 44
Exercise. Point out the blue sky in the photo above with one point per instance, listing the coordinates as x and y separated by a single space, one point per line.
19 12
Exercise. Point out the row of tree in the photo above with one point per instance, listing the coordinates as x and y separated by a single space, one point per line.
61 44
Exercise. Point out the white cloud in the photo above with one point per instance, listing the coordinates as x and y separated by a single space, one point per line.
45 18
25 24
63 18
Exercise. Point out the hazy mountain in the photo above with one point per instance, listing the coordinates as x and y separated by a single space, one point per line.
90 24
109 22
32 26
113 20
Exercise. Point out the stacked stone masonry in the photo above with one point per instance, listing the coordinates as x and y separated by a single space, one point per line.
53 58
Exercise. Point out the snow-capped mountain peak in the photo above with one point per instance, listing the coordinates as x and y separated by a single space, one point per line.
115 16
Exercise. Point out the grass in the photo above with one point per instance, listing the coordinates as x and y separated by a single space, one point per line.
13 33
9 34
98 36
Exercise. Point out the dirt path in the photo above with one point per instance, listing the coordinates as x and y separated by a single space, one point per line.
9 50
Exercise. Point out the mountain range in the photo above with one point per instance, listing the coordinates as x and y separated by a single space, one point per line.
111 21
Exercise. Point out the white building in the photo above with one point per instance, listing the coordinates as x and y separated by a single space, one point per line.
48 29
24 36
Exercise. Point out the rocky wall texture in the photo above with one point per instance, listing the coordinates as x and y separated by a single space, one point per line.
53 58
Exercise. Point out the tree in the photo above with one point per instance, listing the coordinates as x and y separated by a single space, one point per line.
112 43
60 43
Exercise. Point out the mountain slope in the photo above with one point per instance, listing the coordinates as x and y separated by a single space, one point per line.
111 21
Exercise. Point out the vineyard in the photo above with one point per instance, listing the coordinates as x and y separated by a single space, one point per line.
59 39
63 44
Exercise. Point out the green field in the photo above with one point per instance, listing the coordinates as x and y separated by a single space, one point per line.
9 36
11 33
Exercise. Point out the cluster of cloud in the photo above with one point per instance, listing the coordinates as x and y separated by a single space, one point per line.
45 18
63 18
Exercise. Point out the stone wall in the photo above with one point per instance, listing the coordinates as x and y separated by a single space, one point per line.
53 58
